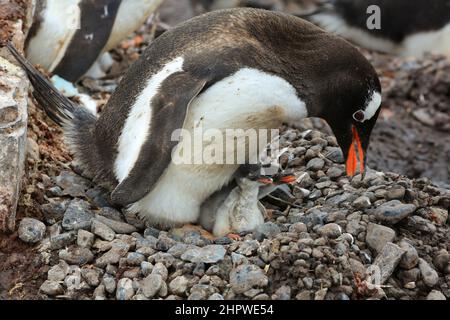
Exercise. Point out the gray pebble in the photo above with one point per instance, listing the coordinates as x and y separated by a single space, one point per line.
135 259
179 285
58 272
161 269
429 275
207 254
72 184
377 236
51 288
62 240
110 214
436 295
85 239
125 289
53 211
117 226
76 255
216 296
91 276
386 262
151 285
315 164
247 276
330 230
118 250
109 282
396 192
362 202
100 293
411 257
393 211
77 215
31 230
102 230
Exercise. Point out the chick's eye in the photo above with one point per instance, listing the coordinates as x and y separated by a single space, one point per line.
359 116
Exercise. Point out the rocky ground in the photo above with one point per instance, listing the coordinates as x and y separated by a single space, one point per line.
383 237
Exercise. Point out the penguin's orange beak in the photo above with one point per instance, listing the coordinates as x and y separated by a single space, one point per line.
288 179
265 180
352 160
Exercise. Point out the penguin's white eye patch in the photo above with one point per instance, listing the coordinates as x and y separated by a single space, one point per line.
359 116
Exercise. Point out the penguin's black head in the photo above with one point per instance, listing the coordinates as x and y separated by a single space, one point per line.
350 101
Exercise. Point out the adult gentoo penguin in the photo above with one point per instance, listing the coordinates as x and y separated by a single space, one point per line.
237 68
69 36
406 27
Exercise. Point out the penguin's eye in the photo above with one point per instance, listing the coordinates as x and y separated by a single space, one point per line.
359 116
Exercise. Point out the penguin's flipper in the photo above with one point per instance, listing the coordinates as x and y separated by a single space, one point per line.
169 110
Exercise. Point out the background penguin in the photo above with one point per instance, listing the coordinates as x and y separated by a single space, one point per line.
69 36
238 68
408 27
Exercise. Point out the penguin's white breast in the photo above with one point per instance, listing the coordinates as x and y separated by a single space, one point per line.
60 21
247 99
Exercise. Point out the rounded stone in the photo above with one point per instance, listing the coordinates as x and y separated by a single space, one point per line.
31 230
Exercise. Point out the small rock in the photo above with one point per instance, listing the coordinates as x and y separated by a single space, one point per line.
247 276
266 231
216 296
152 232
135 259
85 239
283 293
110 283
102 230
77 215
125 289
161 269
315 164
248 247
386 262
51 288
72 185
53 211
151 285
362 202
429 275
76 255
91 276
377 236
31 230
100 293
62 240
410 258
117 226
320 295
442 261
330 230
110 214
118 250
436 295
207 254
393 211
420 224
397 192
58 272
179 285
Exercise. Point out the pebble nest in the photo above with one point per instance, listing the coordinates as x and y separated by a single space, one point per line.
329 239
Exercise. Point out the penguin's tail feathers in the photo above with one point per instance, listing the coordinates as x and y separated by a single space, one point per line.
58 107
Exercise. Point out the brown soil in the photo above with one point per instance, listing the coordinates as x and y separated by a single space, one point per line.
10 12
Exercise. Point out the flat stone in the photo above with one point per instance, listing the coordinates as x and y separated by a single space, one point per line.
246 277
91 276
429 275
58 272
151 285
330 230
396 192
377 236
118 250
436 295
315 164
102 230
62 240
362 202
117 226
31 230
266 231
72 184
125 290
51 288
85 239
393 211
179 285
77 216
411 258
387 261
76 255
208 254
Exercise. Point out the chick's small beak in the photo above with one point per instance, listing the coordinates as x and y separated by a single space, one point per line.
355 148
265 180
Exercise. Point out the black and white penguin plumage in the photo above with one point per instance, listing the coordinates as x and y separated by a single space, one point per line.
406 27
68 37
230 69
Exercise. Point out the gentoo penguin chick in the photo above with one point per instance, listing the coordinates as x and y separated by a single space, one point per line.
69 37
406 28
236 207
246 69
